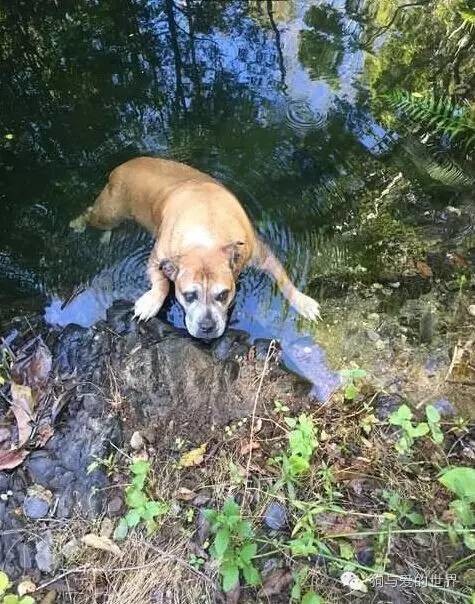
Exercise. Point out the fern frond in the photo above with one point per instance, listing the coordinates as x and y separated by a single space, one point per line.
437 115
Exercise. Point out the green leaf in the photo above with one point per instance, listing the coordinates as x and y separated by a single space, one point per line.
419 430
247 552
311 598
351 392
10 599
155 508
460 481
151 526
353 374
401 415
231 508
251 574
121 530
221 542
4 582
135 498
463 511
469 541
415 518
230 574
27 600
433 416
290 421
140 467
132 518
298 465
346 550
138 482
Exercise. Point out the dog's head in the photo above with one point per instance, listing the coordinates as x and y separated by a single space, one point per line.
205 286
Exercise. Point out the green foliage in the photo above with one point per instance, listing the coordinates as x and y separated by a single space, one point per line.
233 546
302 442
433 420
7 598
461 481
438 116
140 507
402 509
298 594
402 417
350 378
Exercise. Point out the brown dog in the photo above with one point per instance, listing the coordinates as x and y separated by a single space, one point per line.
203 240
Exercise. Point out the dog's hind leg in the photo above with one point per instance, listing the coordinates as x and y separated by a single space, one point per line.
264 259
109 209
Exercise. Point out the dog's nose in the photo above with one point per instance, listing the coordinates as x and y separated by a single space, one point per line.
207 325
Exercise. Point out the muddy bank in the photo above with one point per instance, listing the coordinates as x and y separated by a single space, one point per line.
106 383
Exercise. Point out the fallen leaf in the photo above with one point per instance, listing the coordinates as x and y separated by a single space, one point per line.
275 583
352 581
185 494
423 269
22 407
193 457
25 587
12 459
457 260
246 447
33 365
44 433
103 543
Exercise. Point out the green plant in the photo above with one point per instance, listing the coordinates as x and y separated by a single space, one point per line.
233 546
350 381
140 507
433 421
439 115
302 442
6 598
279 407
298 594
401 508
402 417
461 481
108 463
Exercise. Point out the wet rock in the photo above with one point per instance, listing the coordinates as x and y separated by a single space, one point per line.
385 404
275 516
445 407
44 553
35 507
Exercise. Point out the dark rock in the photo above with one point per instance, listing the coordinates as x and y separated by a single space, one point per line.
44 553
119 317
233 344
35 507
385 404
445 407
275 516
114 507
365 556
261 346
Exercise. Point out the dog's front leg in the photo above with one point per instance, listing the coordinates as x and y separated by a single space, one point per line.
148 305
265 260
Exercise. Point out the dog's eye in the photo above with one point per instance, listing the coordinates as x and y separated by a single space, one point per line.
222 296
190 297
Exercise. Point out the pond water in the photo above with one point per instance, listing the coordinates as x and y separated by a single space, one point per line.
275 99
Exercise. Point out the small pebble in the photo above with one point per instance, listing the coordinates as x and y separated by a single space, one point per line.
137 442
35 507
114 506
445 407
471 310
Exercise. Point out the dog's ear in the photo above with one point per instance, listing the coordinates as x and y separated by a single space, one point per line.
234 253
169 268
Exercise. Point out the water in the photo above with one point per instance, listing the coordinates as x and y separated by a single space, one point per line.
272 98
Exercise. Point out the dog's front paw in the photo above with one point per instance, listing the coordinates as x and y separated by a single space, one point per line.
147 306
306 307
